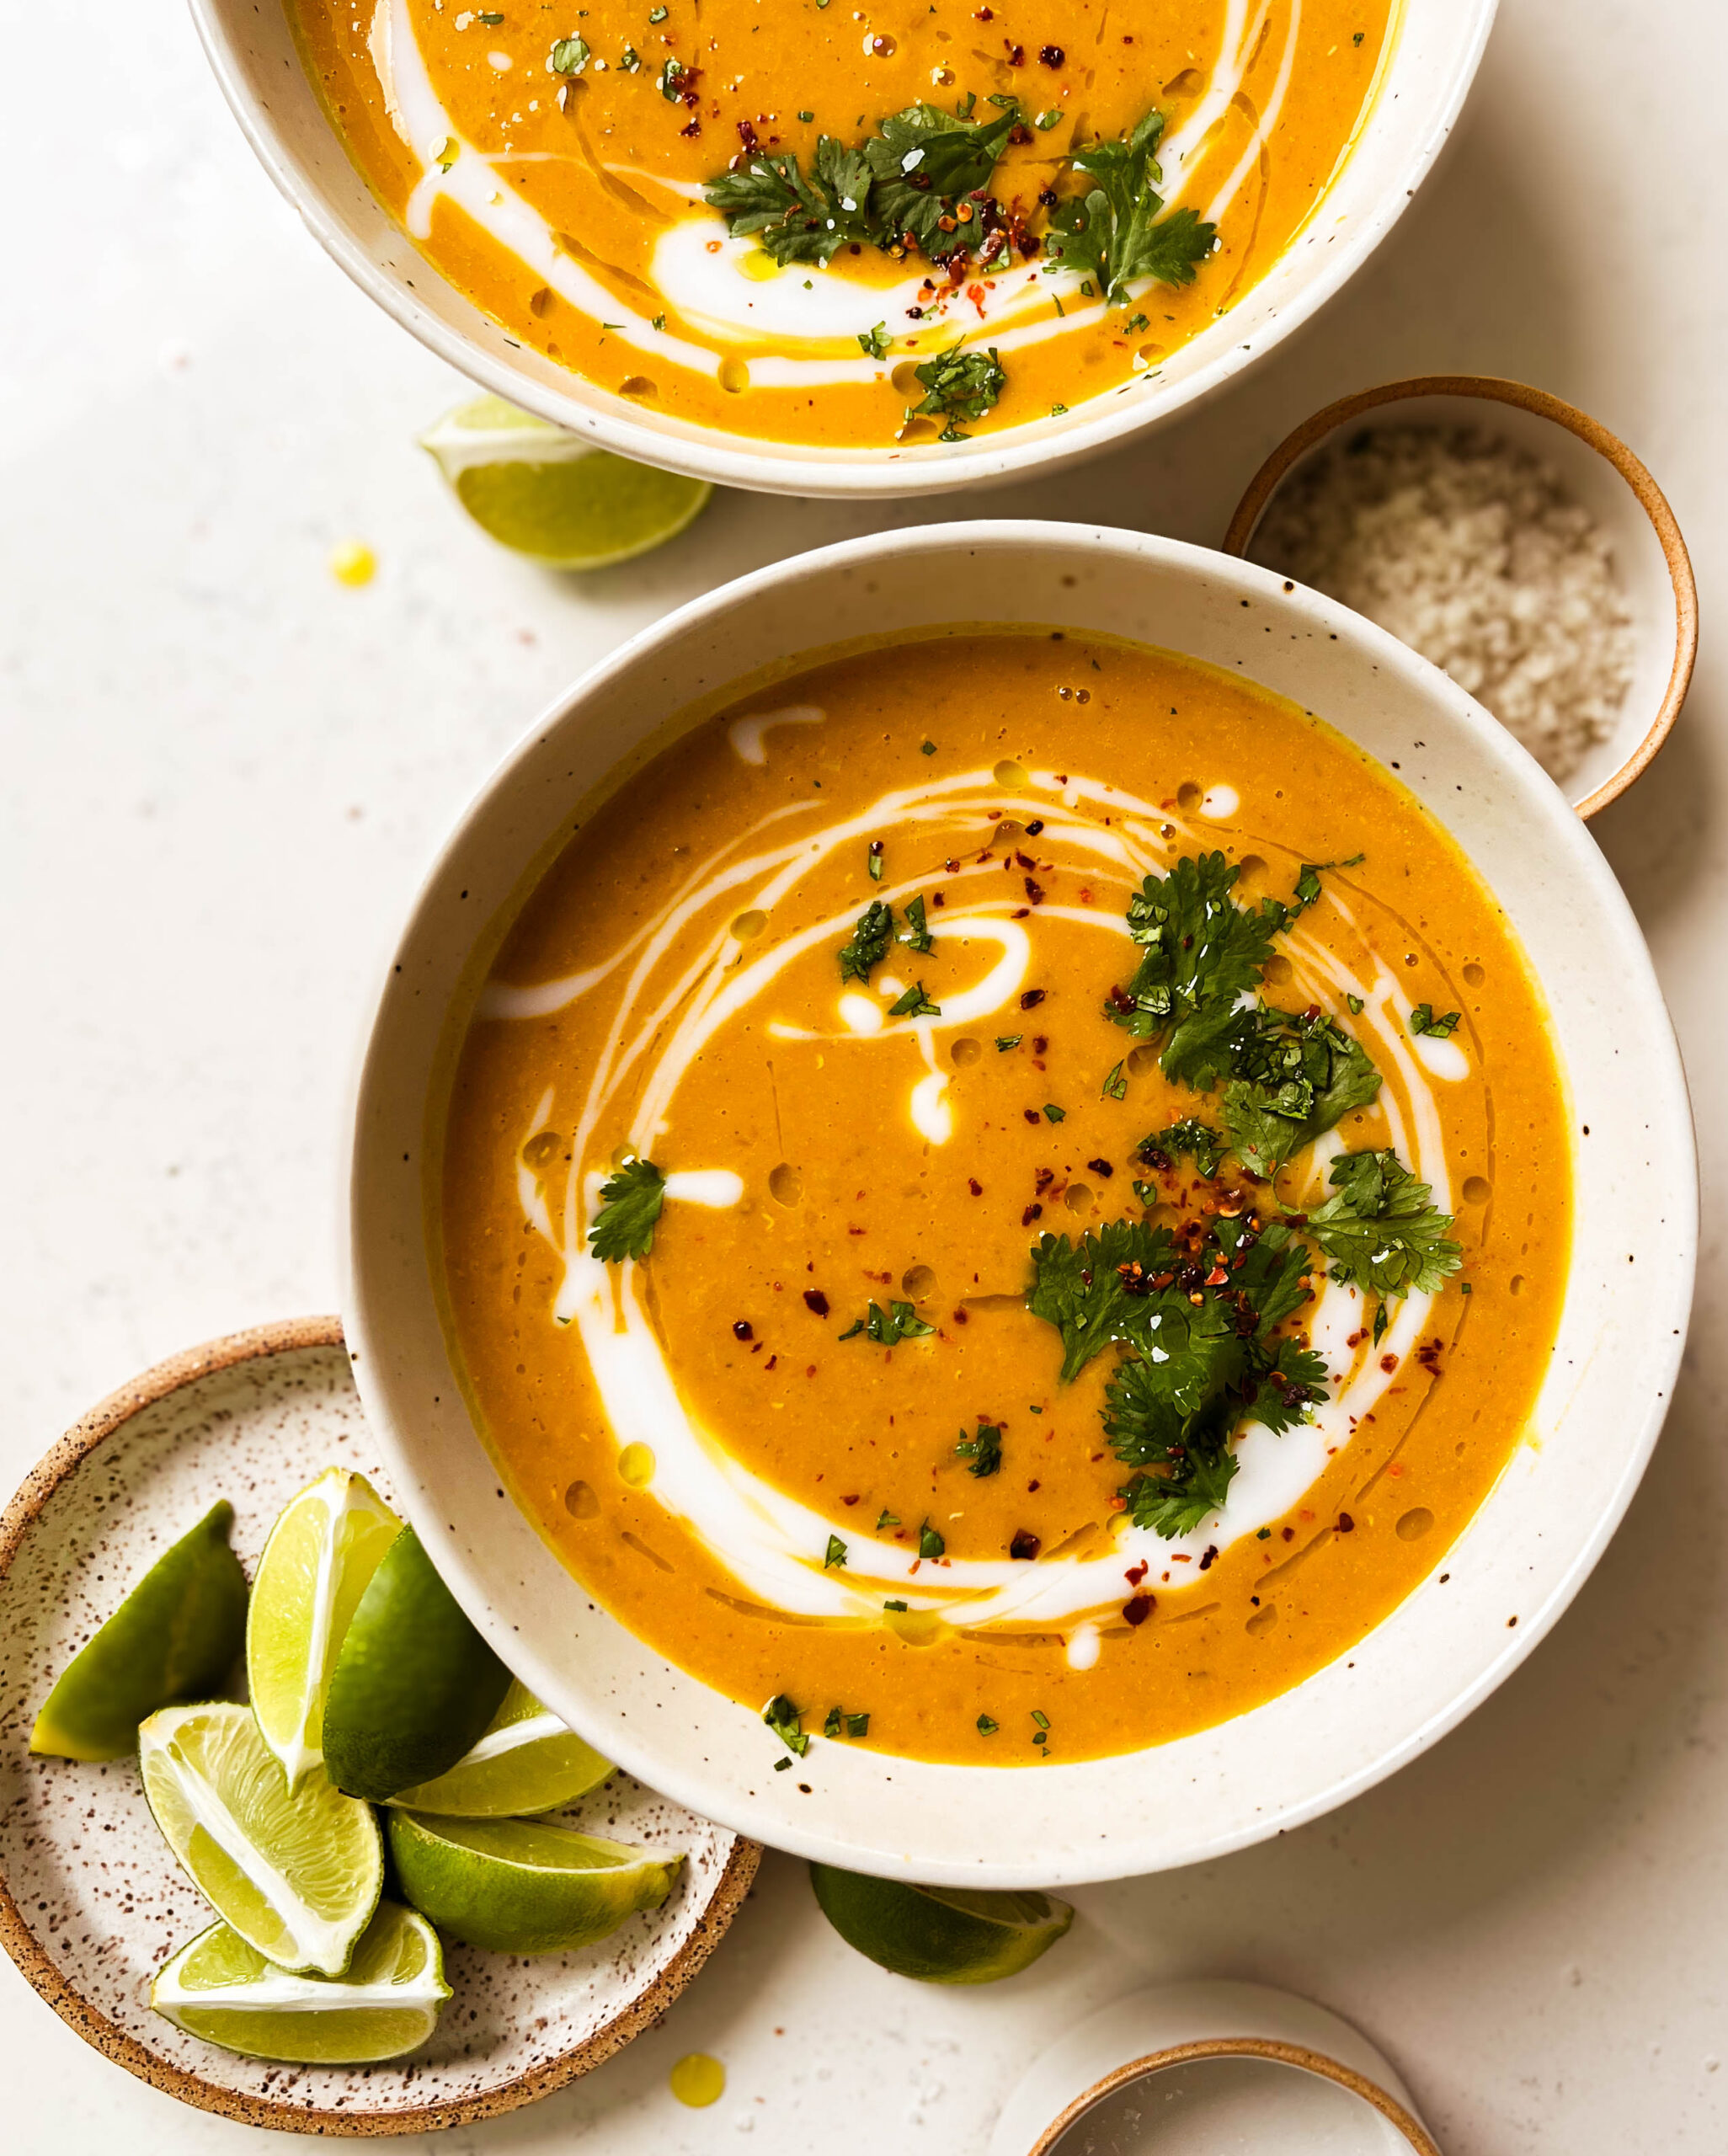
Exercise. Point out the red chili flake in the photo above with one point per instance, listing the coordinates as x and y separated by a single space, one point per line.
770 1362
1032 997
1032 1485
1034 829
1025 861
1101 1168
741 1330
1136 1573
1388 1363
814 1299
1031 1115
962 1317
1042 1180
974 1185
1024 1545
1022 913
694 129
1346 1524
1034 892
1289 1533
1354 1339
1139 1608
857 1231
937 899
1040 1042
1120 999
1052 55
747 135
1016 53
985 15
1031 1213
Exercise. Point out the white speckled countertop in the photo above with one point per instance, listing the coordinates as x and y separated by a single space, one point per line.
224 773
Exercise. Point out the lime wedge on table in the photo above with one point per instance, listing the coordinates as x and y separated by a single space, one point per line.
223 1990
414 1686
176 1636
940 1935
548 493
297 1874
325 1546
519 1886
526 1762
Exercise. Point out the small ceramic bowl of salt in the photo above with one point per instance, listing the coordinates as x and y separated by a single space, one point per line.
1511 539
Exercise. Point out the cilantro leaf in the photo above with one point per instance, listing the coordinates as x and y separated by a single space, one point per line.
914 1004
1113 231
961 385
871 937
1381 1228
915 935
1092 1291
889 1327
801 217
922 161
1292 1077
1203 953
1422 1020
630 1206
1294 1382
930 1542
1189 1138
983 1453
836 1553
1176 1506
788 1723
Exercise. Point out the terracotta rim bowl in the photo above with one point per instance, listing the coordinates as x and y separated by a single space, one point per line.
1672 638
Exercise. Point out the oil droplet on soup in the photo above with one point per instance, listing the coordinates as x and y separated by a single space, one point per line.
636 1466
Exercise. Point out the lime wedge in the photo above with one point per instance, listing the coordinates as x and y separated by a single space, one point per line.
940 1935
176 1636
526 1762
519 1886
414 1686
296 1874
548 493
223 1989
325 1546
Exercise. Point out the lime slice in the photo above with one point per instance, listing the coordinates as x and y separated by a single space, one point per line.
940 1935
526 1762
519 1886
548 493
414 1687
323 1549
297 1875
176 1636
223 1989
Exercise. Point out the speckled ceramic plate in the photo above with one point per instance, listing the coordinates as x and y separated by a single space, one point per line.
90 1902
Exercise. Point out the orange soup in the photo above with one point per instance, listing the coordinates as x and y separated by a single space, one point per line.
999 1200
809 224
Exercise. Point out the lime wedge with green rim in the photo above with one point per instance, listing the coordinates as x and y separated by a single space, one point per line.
519 1886
323 1549
176 1636
526 1762
297 1874
223 1989
548 493
414 1687
940 1935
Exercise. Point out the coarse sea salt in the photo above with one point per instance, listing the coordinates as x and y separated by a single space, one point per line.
1473 553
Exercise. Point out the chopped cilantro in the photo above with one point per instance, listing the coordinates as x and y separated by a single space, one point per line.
788 1723
568 55
492 22
671 75
1136 323
1355 1005
781 1765
659 322
926 749
871 936
1056 410
1054 1114
832 1725
886 1518
959 384
915 935
657 14
1291 1078
1114 232
930 1542
983 1453
898 1607
807 117
630 59
868 193
876 342
1005 1041
1115 1086
1422 1020
986 1728
1381 1228
858 1725
1191 1140
630 1206
888 1328
836 1552
1203 953
1040 1718
914 1004
1262 1535
874 858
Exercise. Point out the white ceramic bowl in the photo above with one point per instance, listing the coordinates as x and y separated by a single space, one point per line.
1533 1541
1422 89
